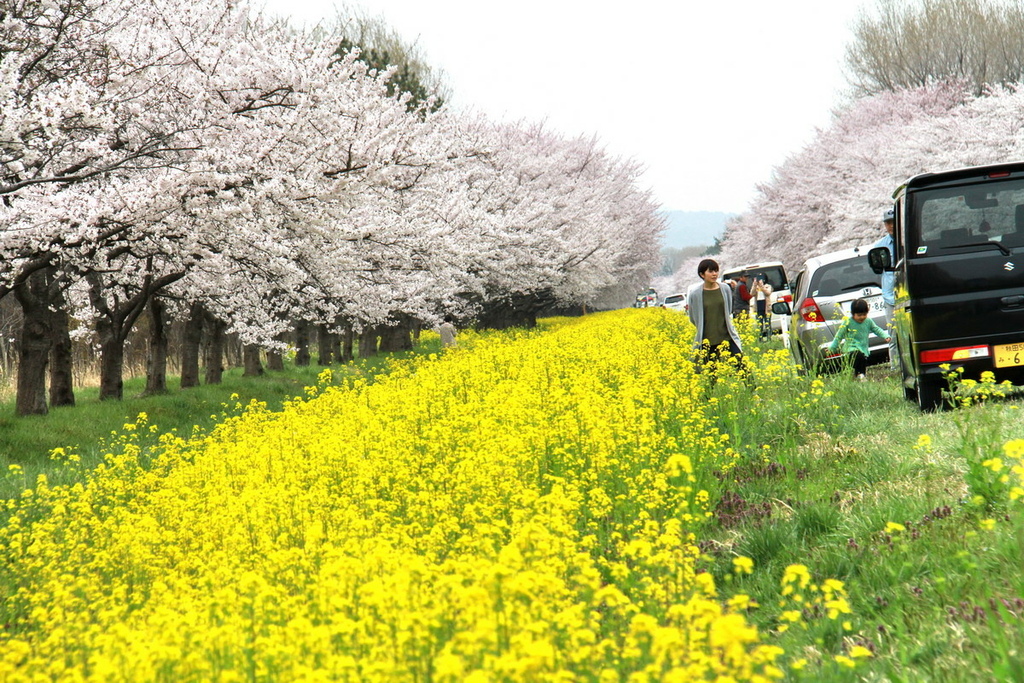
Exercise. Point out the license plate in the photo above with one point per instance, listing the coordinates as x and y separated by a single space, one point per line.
875 305
1008 355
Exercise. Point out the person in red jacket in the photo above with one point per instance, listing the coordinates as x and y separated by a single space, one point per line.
741 294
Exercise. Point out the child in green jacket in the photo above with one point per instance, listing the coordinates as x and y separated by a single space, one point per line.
852 337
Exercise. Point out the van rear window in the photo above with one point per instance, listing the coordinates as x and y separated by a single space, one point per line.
967 218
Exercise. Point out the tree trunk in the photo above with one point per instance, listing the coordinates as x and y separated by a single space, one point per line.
34 354
301 344
192 339
347 341
214 350
275 358
111 360
396 337
251 361
232 351
517 310
324 343
62 391
156 365
115 320
368 342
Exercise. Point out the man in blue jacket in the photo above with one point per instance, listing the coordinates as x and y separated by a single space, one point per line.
889 283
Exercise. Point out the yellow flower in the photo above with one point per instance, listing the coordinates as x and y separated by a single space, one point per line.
743 565
843 660
987 524
894 527
740 602
798 574
994 464
860 652
1014 449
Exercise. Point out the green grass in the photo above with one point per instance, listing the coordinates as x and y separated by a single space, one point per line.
942 600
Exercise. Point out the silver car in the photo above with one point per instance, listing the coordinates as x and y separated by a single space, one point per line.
822 294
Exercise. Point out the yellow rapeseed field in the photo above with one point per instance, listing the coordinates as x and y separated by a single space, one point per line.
525 507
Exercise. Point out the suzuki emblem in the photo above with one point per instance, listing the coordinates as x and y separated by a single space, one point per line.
866 292
1008 265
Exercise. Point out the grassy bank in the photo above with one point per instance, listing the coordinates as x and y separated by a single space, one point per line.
914 512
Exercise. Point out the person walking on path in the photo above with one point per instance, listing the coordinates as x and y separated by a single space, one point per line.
743 293
448 333
762 296
852 337
709 306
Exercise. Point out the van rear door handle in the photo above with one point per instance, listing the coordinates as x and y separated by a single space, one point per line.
1012 300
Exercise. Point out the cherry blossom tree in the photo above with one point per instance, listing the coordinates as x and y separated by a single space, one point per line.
191 160
831 194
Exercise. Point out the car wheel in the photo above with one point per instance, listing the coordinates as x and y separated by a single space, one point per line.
805 369
929 394
909 388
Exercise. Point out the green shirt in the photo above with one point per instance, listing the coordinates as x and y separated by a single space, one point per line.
715 330
853 336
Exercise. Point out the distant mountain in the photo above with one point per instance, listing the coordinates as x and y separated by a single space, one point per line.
694 228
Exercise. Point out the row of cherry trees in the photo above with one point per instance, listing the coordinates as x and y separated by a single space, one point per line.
199 162
832 193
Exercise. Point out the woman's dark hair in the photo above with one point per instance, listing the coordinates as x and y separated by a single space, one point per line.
706 265
859 306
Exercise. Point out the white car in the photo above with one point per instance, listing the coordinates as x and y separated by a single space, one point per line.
774 274
676 302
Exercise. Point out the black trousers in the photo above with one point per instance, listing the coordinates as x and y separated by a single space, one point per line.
764 322
713 354
859 362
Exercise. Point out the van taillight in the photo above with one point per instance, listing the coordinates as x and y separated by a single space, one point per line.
788 298
956 353
810 312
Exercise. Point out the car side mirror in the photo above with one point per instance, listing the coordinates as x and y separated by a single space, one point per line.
880 260
781 308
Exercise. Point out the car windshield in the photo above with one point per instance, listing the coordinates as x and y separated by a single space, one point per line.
843 277
968 218
673 299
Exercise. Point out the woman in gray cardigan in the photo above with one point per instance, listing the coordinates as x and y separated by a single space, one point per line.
709 305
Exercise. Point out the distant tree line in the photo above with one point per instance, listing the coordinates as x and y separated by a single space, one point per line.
913 43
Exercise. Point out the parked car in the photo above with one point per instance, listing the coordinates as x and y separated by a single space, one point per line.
646 299
958 238
676 302
774 273
822 293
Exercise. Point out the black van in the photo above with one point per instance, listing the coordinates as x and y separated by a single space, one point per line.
959 271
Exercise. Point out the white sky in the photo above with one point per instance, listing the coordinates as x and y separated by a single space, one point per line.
708 96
